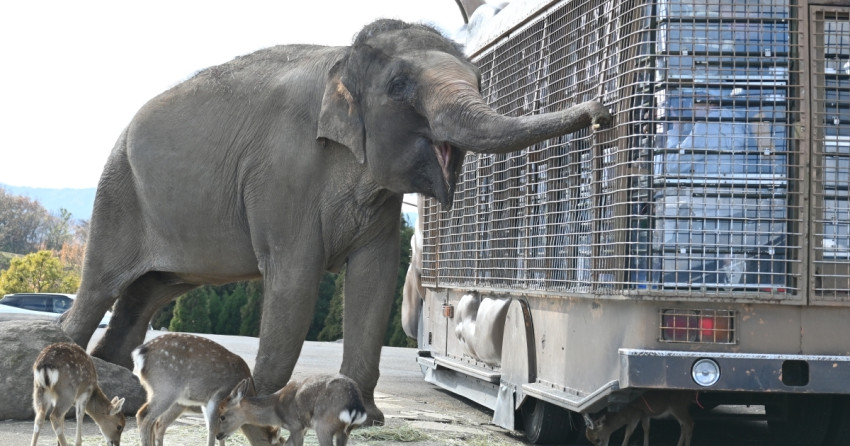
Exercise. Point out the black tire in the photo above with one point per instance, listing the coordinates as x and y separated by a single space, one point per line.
545 423
839 427
800 419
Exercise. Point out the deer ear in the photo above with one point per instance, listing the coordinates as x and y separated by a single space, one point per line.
115 405
239 392
588 422
339 117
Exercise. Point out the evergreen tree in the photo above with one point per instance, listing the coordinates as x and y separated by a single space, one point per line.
323 304
230 319
252 311
333 322
191 313
38 272
214 300
163 317
395 335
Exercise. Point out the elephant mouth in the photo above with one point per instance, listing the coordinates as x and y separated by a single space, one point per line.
443 151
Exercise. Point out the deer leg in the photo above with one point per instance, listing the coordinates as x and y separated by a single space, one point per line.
686 424
296 437
630 428
644 424
210 412
57 420
341 438
148 420
80 413
40 413
325 436
165 420
144 424
140 417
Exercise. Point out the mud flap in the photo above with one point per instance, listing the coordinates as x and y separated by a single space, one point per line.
504 414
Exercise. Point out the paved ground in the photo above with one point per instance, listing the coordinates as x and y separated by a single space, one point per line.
417 413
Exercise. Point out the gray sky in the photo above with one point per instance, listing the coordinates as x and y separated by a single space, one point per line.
75 72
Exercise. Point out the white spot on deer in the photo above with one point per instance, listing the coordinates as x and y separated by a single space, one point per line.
138 362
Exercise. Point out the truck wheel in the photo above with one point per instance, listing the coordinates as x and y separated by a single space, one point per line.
546 423
839 427
800 419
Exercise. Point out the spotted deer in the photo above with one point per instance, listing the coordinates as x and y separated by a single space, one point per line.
330 404
181 371
652 404
64 376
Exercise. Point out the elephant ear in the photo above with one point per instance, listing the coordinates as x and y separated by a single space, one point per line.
339 118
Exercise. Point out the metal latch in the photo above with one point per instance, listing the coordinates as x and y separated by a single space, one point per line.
449 311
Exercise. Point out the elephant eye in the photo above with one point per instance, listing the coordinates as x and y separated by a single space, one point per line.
222 418
399 88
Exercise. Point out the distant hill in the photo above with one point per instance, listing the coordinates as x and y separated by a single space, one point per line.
78 202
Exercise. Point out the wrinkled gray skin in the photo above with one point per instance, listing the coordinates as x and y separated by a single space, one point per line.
283 164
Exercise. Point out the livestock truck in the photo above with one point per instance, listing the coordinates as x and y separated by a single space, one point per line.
701 242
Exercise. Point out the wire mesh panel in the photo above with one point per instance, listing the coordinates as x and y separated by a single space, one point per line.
830 73
700 187
723 95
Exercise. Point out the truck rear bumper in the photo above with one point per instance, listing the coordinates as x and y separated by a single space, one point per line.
738 371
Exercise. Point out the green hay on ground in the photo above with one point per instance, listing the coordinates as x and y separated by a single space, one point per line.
479 440
399 434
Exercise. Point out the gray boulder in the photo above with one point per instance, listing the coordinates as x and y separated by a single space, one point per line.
20 344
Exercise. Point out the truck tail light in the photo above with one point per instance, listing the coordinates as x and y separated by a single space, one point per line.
679 326
697 326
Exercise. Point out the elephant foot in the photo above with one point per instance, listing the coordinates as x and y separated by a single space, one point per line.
106 351
374 416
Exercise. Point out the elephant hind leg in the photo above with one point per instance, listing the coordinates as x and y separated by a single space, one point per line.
92 302
116 251
133 311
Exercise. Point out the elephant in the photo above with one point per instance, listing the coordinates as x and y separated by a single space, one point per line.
280 165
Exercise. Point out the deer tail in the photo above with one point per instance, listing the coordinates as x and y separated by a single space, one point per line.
46 377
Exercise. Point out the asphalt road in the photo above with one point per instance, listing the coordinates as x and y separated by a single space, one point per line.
417 413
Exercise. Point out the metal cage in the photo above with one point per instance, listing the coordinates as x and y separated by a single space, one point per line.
724 176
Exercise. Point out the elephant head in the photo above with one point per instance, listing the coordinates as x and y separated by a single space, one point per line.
406 101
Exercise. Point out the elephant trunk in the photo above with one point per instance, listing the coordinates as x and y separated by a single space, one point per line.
468 123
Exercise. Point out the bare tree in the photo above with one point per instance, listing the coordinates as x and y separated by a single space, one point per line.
21 223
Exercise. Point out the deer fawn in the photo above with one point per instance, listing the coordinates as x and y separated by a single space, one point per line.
330 404
652 404
180 371
64 376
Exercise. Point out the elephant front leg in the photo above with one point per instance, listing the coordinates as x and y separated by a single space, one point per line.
290 291
370 281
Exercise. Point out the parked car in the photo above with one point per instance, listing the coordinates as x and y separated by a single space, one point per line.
10 313
47 305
